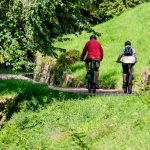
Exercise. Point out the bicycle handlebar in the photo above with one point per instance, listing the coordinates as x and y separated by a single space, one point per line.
118 61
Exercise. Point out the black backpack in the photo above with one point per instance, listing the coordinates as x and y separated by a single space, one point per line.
128 51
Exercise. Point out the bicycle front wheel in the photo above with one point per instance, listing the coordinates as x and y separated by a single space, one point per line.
94 88
94 82
89 86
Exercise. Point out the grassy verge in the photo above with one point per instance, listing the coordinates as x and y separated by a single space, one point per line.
40 118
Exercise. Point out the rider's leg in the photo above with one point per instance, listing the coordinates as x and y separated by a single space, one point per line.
97 76
124 80
87 67
97 73
132 71
132 67
96 79
125 71
124 77
87 70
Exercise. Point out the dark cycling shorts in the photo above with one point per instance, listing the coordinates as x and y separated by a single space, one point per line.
125 68
96 65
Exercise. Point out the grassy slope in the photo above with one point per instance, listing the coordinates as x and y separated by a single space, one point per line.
132 25
41 118
55 120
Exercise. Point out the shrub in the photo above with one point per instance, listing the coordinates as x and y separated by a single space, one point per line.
69 57
63 64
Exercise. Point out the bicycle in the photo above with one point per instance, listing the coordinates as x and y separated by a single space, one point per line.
129 77
91 77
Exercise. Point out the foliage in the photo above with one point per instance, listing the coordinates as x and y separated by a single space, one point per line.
100 11
133 3
146 95
14 45
69 57
63 64
48 119
110 9
144 90
30 26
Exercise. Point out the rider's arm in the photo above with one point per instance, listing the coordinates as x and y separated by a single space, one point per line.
119 57
101 51
84 52
134 54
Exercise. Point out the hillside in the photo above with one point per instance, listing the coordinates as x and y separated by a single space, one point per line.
132 25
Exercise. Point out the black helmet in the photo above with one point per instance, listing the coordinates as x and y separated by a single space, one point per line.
127 43
93 37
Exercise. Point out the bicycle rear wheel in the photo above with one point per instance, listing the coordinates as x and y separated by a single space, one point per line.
130 84
89 86
125 86
94 82
94 88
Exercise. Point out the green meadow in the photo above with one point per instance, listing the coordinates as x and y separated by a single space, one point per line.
40 118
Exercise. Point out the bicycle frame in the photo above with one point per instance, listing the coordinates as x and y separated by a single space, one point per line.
129 80
129 76
92 77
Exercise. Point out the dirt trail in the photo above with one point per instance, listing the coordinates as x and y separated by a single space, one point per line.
74 90
13 76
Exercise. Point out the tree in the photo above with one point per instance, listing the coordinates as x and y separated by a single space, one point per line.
28 26
31 26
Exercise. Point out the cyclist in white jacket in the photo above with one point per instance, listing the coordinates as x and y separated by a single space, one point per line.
127 56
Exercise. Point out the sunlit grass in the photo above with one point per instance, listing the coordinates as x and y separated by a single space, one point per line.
47 119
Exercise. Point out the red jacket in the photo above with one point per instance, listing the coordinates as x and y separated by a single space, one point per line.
93 49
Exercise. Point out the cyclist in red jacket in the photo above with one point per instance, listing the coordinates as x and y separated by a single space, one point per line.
94 50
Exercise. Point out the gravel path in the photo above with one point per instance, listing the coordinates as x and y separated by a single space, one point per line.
85 91
13 76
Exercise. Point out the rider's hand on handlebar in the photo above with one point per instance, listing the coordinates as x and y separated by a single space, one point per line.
118 61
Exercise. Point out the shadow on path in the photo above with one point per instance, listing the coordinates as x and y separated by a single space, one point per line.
85 91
